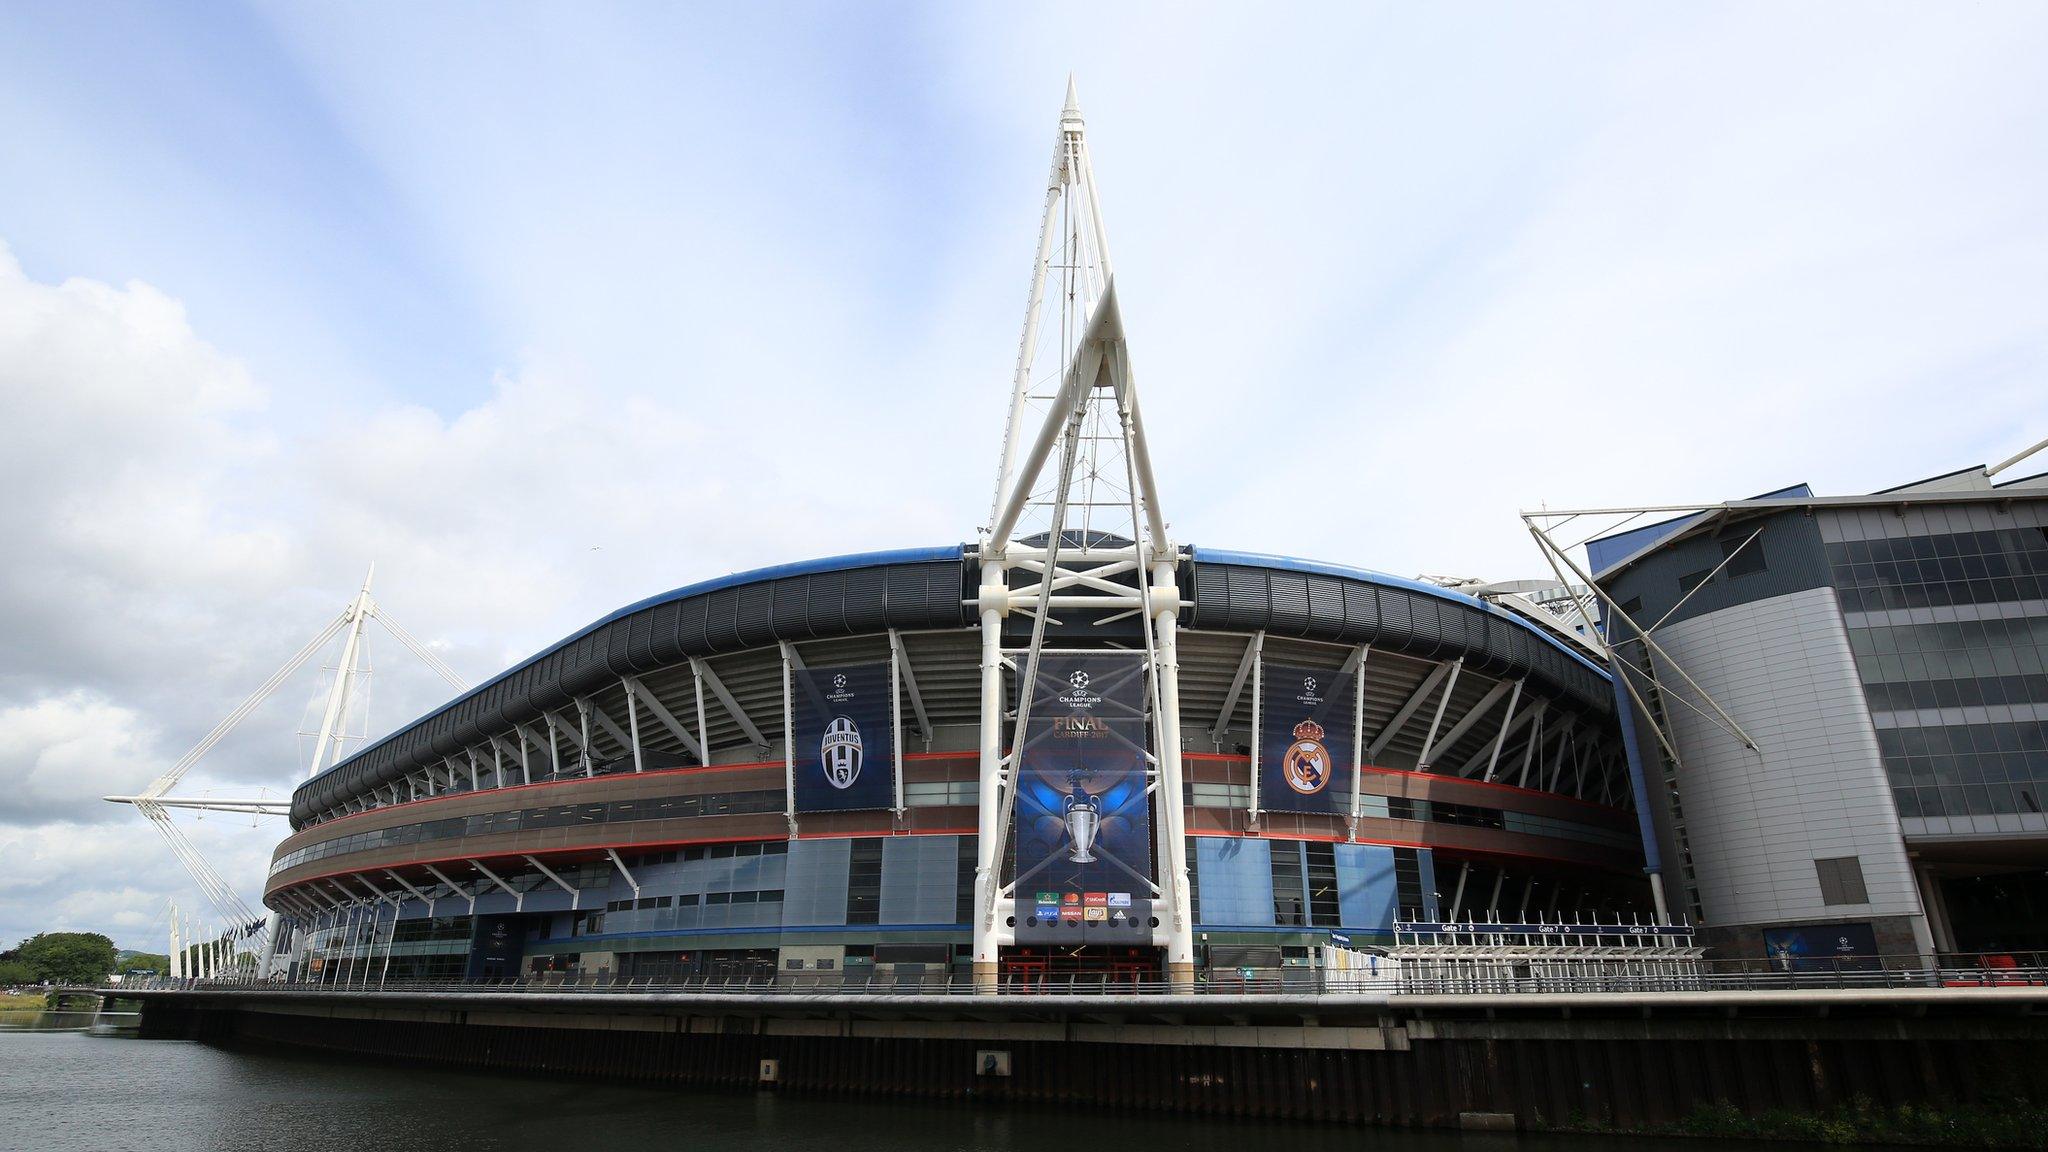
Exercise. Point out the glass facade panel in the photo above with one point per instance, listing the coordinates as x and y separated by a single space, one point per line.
1290 902
1323 907
864 883
557 816
1951 763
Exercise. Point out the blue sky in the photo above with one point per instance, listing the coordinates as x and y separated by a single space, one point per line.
546 308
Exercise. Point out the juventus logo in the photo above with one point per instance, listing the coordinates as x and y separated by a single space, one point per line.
840 752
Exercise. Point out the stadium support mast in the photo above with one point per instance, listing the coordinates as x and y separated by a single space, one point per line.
155 802
1086 534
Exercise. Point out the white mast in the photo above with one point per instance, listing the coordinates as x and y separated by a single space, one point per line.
1076 532
177 965
155 802
357 614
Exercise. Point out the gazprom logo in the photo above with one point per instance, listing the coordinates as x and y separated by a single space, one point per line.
840 752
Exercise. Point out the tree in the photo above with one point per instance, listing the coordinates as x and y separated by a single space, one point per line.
67 957
144 962
14 973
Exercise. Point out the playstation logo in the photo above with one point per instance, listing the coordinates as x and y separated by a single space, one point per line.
1079 680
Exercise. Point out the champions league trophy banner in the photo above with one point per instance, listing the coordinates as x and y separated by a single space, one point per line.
842 738
1084 821
1305 721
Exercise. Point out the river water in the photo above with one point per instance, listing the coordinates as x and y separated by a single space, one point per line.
67 1084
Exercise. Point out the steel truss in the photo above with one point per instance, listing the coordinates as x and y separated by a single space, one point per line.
1086 535
1631 648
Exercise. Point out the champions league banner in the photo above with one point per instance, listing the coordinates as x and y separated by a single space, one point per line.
1084 821
1305 736
842 738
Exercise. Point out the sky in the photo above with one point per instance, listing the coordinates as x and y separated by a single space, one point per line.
546 308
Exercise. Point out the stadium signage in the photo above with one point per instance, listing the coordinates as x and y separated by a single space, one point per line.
1305 739
1084 820
841 739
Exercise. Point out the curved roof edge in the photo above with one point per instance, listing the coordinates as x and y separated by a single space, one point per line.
951 552
1368 575
844 563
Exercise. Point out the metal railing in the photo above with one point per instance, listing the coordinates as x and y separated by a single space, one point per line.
1429 978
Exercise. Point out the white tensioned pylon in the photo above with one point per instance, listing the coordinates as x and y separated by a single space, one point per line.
155 801
1075 532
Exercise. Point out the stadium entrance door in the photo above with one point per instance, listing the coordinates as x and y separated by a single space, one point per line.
1049 968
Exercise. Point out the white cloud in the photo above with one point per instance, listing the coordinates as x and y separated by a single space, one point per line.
728 296
59 754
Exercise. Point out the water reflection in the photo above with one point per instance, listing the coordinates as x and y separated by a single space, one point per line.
64 1089
43 1020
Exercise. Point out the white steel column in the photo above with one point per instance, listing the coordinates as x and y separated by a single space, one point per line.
1258 717
703 729
995 601
633 723
1358 734
896 716
1443 702
1180 935
788 740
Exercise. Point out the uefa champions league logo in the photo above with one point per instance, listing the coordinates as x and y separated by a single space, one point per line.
839 693
840 752
1077 694
1308 692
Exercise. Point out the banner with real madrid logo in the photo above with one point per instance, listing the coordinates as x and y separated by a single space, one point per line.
843 747
1305 721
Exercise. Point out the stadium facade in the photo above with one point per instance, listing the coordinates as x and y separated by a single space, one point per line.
1882 660
624 801
1072 745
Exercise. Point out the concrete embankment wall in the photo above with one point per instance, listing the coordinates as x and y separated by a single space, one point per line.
1621 1071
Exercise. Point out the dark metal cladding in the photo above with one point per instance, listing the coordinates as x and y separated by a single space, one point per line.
1241 593
928 588
912 589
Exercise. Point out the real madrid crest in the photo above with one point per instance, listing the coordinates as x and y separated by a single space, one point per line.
1306 766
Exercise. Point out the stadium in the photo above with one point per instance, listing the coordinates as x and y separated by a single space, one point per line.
1071 748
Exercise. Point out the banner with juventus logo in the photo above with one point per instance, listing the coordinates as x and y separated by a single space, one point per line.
1305 721
1084 820
843 742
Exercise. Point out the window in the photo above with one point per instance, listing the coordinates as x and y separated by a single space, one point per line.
1743 561
1218 795
1692 580
939 793
1841 880
1408 884
1289 902
963 881
864 882
1323 910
